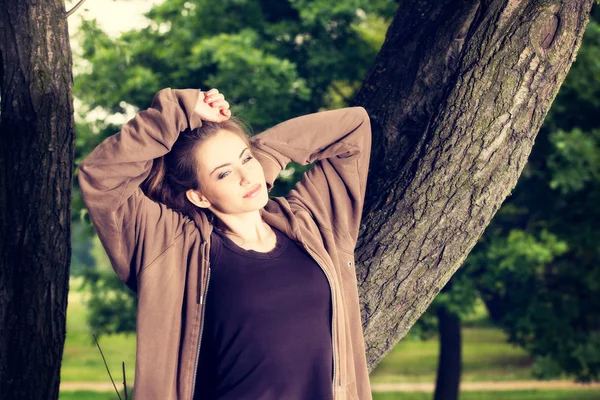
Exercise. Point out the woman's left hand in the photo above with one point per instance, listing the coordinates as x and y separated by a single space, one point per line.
212 106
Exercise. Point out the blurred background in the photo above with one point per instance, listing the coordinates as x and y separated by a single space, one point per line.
519 320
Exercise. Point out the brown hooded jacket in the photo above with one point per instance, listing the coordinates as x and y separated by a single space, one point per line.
164 256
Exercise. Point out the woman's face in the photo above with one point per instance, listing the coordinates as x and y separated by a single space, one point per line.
228 172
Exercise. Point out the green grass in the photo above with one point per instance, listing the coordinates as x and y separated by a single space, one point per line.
81 359
517 395
486 356
87 395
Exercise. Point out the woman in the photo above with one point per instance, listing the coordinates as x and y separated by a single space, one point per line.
180 194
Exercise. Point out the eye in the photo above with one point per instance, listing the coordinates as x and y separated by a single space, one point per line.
248 159
223 174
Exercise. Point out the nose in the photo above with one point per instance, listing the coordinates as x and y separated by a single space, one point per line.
244 178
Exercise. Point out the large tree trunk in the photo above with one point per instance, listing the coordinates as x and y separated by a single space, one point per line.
36 167
457 95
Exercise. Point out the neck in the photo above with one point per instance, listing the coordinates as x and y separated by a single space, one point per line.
250 226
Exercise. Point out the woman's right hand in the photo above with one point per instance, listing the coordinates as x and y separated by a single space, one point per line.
212 106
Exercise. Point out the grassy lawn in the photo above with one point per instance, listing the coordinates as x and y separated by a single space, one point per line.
521 395
86 395
81 359
486 357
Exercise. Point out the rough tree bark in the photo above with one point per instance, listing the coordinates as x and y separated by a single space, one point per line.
457 95
36 167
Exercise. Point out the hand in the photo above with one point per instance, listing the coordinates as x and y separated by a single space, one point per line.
212 106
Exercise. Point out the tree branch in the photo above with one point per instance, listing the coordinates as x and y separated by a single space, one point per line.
75 7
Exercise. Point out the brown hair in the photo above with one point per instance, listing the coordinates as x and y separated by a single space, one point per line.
177 171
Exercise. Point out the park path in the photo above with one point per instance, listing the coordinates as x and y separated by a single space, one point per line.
400 387
488 386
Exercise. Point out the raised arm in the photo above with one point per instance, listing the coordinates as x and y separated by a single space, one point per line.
133 229
333 190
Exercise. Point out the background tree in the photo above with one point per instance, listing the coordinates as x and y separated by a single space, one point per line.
36 167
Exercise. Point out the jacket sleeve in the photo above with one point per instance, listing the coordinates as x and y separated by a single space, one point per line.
333 190
133 229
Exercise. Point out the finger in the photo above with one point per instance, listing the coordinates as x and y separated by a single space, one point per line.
212 97
220 104
210 92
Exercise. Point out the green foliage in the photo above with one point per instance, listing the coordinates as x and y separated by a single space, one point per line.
112 306
519 258
81 257
241 56
536 292
273 60
576 160
82 361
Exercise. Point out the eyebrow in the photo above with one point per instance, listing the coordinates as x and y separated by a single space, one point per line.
226 164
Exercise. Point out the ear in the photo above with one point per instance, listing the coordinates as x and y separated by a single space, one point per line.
197 199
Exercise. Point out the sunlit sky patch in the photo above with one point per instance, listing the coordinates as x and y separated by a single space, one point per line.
113 16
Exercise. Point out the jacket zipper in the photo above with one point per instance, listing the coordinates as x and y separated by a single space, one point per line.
332 317
203 302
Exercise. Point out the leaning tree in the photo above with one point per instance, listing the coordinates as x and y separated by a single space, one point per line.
456 96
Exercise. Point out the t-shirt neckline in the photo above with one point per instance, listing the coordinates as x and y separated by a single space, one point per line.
280 246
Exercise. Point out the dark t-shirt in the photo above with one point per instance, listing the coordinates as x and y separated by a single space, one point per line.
267 326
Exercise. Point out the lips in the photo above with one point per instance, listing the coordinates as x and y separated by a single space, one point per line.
253 191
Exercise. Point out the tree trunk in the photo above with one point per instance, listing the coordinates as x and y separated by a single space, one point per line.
447 383
36 167
457 95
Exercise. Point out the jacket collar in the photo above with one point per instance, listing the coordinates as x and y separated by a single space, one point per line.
203 225
276 212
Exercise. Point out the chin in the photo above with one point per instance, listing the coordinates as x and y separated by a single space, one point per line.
266 200
261 204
